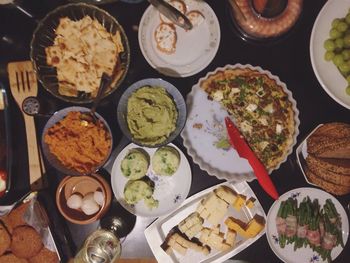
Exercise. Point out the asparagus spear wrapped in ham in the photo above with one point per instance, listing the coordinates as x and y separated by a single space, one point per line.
309 224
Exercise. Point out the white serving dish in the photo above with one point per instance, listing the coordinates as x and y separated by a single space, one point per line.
224 164
158 230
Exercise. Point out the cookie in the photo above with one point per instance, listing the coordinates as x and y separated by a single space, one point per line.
5 239
11 258
26 242
15 218
44 256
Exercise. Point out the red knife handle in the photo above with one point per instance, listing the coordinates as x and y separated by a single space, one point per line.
263 177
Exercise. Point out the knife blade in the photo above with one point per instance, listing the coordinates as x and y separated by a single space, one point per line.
172 13
238 142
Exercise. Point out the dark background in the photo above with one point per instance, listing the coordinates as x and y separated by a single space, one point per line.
287 57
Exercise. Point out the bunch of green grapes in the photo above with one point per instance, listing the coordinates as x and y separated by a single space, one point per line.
338 46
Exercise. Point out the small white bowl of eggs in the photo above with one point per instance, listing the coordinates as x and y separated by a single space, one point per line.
83 199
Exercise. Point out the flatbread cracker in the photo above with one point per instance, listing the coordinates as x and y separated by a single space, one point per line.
81 52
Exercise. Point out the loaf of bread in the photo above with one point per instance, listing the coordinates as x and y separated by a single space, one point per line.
331 140
328 160
330 187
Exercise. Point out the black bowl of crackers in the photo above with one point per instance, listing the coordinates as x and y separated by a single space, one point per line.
71 48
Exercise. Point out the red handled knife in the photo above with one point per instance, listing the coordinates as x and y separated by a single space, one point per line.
244 151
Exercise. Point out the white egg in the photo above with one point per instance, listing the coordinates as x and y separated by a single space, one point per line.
99 197
89 205
74 201
89 196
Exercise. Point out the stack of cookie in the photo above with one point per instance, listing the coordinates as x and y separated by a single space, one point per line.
328 160
20 242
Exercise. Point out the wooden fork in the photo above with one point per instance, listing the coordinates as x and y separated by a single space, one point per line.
23 84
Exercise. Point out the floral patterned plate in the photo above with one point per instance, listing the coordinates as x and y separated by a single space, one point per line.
287 254
158 230
170 191
194 49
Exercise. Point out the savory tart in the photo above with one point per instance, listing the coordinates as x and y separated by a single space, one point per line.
260 107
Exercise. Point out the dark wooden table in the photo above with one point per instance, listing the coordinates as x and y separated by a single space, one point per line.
287 58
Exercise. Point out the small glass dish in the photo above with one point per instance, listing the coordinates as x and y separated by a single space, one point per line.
175 96
53 160
262 21
44 36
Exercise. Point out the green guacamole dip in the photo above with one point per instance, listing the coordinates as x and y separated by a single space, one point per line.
151 115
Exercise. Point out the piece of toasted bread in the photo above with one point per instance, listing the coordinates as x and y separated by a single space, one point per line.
195 17
327 186
341 151
331 140
179 5
166 37
327 175
327 147
333 130
341 166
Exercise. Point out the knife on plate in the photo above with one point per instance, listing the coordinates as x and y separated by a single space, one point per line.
172 13
238 142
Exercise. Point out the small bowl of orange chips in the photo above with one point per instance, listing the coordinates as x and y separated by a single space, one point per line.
75 146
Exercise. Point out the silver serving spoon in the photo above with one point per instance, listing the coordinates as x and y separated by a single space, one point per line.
91 116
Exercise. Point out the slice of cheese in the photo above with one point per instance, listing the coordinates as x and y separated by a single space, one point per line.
230 237
251 229
226 194
236 225
191 225
250 203
240 201
204 214
204 235
177 247
254 227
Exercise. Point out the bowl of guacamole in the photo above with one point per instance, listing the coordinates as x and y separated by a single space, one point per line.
151 112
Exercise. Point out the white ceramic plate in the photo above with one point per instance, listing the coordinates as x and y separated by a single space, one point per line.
171 191
326 72
195 49
157 231
301 153
200 143
287 254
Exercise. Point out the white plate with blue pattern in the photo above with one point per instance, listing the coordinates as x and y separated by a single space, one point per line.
170 191
303 254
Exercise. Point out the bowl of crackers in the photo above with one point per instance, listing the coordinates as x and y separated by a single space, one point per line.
75 146
73 46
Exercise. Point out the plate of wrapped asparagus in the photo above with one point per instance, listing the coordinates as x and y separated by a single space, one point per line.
307 225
